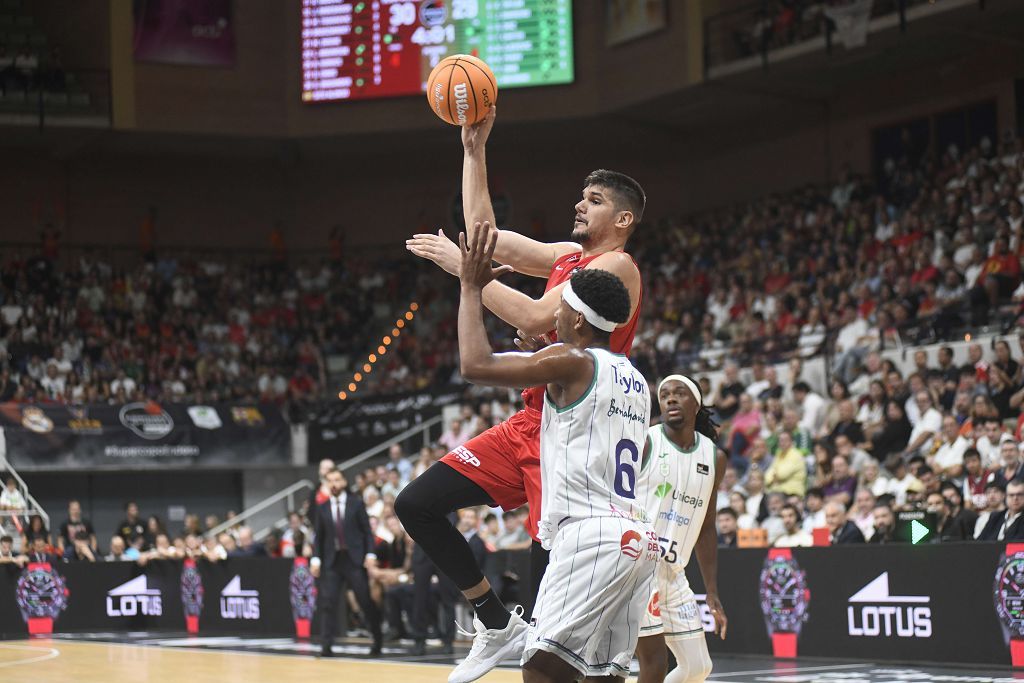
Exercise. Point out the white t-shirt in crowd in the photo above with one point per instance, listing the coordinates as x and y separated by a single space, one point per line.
814 408
798 539
951 454
931 421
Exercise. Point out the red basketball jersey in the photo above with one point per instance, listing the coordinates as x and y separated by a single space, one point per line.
622 337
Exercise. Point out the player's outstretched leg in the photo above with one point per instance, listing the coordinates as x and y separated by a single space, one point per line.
423 507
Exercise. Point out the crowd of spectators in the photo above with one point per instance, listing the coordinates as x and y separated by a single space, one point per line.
942 438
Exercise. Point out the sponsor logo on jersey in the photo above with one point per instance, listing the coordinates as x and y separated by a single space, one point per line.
631 544
673 516
703 468
687 499
662 490
239 603
134 597
873 613
465 455
654 606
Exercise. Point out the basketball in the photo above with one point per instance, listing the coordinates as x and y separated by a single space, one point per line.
461 89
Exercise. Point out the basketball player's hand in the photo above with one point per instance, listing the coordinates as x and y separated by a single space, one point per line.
478 255
718 612
530 344
474 136
437 248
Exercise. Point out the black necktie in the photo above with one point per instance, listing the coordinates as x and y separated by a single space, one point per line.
339 524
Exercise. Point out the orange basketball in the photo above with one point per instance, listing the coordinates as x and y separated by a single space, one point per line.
461 89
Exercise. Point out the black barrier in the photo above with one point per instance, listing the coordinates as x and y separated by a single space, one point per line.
961 603
144 435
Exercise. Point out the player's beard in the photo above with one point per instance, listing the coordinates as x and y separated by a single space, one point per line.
580 234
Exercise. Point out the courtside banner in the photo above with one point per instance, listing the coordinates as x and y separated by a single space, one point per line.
144 434
348 427
925 603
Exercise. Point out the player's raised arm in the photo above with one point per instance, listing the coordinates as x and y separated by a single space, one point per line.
558 364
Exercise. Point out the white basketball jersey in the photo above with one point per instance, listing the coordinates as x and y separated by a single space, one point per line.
591 450
677 487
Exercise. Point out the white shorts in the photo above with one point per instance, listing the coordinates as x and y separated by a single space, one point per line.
672 609
593 595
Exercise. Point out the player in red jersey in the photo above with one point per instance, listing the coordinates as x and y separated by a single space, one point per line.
501 467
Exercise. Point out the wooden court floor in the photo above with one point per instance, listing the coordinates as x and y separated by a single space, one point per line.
59 661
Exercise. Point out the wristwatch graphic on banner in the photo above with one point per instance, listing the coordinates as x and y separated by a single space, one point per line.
302 588
1008 593
42 595
784 600
191 595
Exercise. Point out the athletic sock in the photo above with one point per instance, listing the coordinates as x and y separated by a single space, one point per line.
491 611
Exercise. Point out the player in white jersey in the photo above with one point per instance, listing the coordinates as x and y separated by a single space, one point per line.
595 417
678 484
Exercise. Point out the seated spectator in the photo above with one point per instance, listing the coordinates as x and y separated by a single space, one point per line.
995 501
36 529
955 522
10 497
926 475
154 527
72 525
814 502
759 458
393 486
80 549
456 435
515 537
131 527
247 547
847 424
7 555
872 478
975 480
841 485
1008 524
895 433
812 407
727 398
862 512
117 551
399 463
929 424
293 540
40 551
746 425
726 520
793 535
738 502
1011 464
788 473
753 486
226 546
772 524
841 530
948 460
884 528
837 394
987 436
856 456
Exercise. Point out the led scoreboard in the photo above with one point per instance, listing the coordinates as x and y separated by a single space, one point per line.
386 48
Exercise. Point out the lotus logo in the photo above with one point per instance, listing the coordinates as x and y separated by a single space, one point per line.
631 544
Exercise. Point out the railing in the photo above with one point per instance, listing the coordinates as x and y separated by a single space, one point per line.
34 508
423 428
287 495
756 30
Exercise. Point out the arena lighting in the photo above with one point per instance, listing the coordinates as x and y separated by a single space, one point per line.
381 350
351 386
414 306
386 340
358 377
342 395
408 316
399 323
367 367
373 358
395 332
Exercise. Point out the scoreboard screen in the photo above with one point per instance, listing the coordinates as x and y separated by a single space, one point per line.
386 48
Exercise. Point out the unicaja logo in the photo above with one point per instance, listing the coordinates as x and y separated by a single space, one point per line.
238 603
133 598
873 612
461 102
631 544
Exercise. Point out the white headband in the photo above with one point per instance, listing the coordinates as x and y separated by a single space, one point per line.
592 316
689 385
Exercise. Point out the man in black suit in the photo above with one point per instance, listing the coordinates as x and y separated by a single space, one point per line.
343 552
38 552
841 530
1008 524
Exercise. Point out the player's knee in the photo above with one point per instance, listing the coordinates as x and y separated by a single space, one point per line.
409 507
653 661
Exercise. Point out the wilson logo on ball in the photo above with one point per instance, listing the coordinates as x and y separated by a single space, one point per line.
461 90
461 102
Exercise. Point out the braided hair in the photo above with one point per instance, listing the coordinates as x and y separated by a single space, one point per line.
705 422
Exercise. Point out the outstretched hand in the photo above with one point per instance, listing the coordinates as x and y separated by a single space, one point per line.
475 269
529 343
474 136
437 248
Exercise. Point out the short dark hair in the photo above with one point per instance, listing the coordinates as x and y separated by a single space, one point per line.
886 499
604 292
815 491
925 469
490 517
728 511
629 196
802 386
789 506
1016 481
129 504
950 486
995 485
972 453
6 539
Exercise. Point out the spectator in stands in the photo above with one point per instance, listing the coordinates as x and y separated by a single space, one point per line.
793 536
814 503
393 486
841 485
515 536
36 529
7 555
862 512
772 524
72 525
727 398
80 550
895 435
746 424
976 478
726 521
40 551
1008 524
753 485
131 527
456 435
1010 460
948 460
154 527
738 502
928 425
884 525
788 474
399 463
956 523
247 547
847 424
10 497
812 407
294 538
856 337
117 551
841 530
